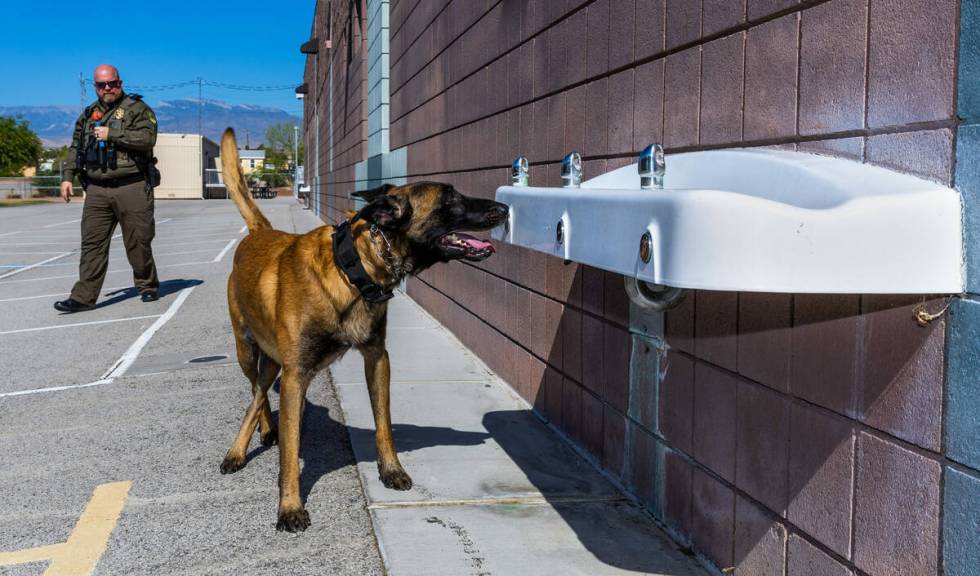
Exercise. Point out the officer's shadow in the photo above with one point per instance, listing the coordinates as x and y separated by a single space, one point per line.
167 287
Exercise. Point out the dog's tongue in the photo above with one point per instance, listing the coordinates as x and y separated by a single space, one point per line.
475 243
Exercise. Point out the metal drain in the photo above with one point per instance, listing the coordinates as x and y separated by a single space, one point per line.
205 359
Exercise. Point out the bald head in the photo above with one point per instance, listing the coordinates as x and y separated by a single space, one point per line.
107 73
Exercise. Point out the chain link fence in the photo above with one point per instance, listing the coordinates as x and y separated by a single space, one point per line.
32 187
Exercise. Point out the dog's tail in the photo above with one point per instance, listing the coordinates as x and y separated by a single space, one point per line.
231 171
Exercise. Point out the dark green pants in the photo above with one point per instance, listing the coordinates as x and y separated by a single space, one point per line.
132 207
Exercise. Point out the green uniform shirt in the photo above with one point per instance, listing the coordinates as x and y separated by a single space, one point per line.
132 130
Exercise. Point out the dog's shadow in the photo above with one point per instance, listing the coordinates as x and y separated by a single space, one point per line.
325 446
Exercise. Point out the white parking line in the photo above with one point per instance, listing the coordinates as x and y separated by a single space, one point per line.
10 233
127 359
244 229
225 251
123 364
63 223
26 268
58 294
112 321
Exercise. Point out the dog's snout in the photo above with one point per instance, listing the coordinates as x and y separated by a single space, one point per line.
499 212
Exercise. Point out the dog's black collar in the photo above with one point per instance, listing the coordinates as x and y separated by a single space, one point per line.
347 259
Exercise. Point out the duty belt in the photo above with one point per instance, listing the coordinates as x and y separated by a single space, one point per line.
117 182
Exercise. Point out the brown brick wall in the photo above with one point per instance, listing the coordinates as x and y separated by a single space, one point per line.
781 432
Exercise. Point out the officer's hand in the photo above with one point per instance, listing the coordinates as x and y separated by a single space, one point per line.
66 191
101 132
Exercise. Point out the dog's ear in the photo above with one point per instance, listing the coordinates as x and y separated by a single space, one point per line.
388 212
374 193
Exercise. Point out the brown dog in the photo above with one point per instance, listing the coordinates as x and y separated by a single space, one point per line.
296 306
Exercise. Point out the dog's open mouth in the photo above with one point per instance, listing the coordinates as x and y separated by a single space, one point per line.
459 245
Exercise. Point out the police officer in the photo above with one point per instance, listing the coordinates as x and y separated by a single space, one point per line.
112 154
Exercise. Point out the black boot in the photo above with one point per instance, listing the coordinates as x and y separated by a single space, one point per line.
71 305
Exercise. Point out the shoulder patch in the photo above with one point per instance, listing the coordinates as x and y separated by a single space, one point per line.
151 116
120 112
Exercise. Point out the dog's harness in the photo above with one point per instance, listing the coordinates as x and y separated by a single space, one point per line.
347 259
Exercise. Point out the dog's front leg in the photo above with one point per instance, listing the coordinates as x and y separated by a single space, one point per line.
378 373
292 395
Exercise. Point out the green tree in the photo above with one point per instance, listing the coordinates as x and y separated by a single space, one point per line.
279 144
19 146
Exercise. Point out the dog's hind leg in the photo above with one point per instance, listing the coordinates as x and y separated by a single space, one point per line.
261 372
377 370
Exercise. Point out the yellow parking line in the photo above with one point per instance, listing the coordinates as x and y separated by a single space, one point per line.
79 555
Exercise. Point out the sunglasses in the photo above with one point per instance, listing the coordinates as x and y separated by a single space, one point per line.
109 84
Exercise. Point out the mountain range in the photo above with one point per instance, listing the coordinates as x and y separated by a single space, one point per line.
54 124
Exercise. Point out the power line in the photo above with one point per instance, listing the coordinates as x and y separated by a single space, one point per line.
201 81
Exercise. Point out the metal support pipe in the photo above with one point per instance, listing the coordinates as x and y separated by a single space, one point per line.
652 167
571 170
519 173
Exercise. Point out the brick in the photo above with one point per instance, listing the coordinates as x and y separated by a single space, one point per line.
553 396
596 122
593 373
572 282
927 154
592 435
675 408
760 541
576 107
963 384
615 362
620 109
821 473
649 28
576 54
614 439
683 22
912 80
571 333
712 518
522 87
644 380
762 8
571 409
536 387
826 343
764 338
833 49
771 53
597 47
716 328
714 420
677 477
902 389
896 509
961 523
850 148
615 301
721 15
648 105
682 96
721 90
549 116
804 559
679 324
622 20
762 440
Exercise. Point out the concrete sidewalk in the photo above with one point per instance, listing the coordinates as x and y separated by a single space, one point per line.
496 491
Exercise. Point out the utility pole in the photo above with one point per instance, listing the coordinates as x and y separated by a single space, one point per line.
81 86
200 103
295 161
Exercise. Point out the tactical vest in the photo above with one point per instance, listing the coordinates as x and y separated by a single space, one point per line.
120 162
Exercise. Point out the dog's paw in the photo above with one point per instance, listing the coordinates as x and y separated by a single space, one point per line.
396 479
293 521
270 438
231 465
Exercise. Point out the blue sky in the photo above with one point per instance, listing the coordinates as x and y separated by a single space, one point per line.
46 44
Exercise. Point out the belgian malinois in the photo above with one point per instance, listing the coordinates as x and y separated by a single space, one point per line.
298 302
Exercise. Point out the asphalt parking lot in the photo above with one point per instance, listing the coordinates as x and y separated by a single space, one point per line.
113 421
